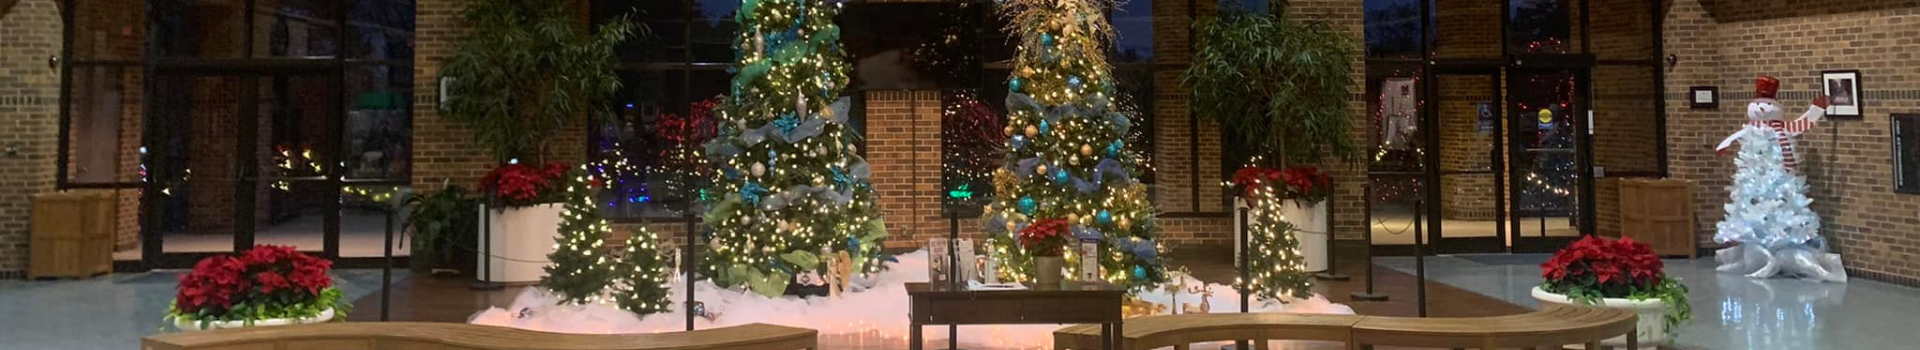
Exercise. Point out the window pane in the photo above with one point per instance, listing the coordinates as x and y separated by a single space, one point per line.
381 30
378 124
971 141
896 46
104 140
713 30
291 28
1544 27
1133 25
665 39
650 148
1394 117
1135 98
1393 29
109 30
199 28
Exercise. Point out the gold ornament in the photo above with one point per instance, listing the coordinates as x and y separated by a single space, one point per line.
1033 131
1073 218
1009 130
1041 169
1124 223
1086 150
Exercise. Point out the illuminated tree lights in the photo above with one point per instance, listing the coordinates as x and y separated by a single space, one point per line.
788 181
1066 150
579 271
1276 266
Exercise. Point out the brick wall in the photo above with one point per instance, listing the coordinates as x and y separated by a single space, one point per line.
29 121
1463 148
1350 178
1726 44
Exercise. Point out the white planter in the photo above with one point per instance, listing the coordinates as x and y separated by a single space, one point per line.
191 326
1313 226
519 242
1653 313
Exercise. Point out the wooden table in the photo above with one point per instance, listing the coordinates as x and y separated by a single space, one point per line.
1071 303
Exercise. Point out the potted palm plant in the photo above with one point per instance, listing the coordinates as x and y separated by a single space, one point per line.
1618 274
523 72
1278 88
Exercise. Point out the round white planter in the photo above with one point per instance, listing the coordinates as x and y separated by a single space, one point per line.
1653 312
191 326
1313 226
519 242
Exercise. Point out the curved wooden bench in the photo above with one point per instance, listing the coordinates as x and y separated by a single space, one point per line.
1549 328
459 336
1178 331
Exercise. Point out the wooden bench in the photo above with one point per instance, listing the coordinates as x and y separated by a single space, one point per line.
1546 329
1550 328
458 336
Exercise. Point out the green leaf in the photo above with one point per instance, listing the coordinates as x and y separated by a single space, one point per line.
805 260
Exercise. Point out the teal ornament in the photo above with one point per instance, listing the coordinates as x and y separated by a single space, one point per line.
1104 217
1074 82
1139 272
1060 177
1027 205
1044 126
1014 84
1046 39
1113 149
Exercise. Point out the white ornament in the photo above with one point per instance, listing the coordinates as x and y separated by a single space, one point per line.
759 169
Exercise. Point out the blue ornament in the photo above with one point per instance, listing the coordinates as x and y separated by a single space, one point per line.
1139 272
1014 84
1019 141
1073 82
1113 149
1103 217
1044 126
1027 205
1046 39
1060 177
773 158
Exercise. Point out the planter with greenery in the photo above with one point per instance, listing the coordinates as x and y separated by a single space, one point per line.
1620 274
523 72
1278 88
444 228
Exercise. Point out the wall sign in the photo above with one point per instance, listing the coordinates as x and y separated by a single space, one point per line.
1842 88
1703 97
1906 153
1487 121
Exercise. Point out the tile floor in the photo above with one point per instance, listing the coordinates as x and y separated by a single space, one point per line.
1730 312
113 311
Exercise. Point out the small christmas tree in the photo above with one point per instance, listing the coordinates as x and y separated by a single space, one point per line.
1277 267
1067 157
640 283
579 270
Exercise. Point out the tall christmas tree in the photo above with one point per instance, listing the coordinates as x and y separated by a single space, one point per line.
1067 158
640 279
790 180
579 270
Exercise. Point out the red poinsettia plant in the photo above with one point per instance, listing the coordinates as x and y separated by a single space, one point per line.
1595 268
520 185
1045 237
1304 184
268 282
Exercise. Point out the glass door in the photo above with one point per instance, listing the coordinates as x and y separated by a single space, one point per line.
1549 167
238 157
1465 216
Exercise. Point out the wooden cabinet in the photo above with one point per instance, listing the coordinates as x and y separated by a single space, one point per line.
72 234
1660 213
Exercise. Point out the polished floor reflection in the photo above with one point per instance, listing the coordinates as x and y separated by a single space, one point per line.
113 311
1730 312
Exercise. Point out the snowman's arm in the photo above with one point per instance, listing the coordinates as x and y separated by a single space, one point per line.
1721 149
1807 121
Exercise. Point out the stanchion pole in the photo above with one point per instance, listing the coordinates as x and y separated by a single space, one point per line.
1419 255
386 269
1246 278
1369 295
1333 260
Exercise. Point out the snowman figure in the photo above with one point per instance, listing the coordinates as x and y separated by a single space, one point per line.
1768 214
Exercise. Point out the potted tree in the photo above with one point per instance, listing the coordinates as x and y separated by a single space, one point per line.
1619 274
266 286
443 228
523 72
1278 88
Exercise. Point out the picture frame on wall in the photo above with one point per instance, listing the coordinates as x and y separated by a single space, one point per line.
1843 91
1703 97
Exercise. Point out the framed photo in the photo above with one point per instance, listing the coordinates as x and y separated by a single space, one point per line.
1703 97
1906 153
1842 88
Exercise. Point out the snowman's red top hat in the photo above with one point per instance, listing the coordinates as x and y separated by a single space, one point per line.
1766 87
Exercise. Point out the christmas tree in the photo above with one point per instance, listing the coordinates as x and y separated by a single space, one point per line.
789 180
1067 158
640 283
1769 205
579 269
